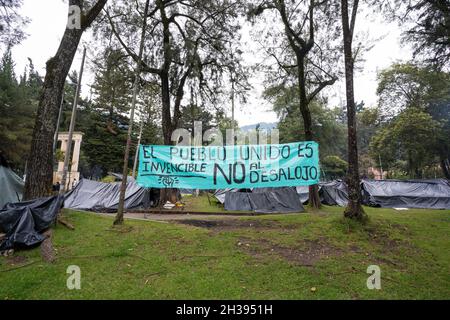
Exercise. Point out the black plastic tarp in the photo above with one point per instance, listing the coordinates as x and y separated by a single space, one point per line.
428 194
267 200
302 193
334 193
24 222
220 194
99 196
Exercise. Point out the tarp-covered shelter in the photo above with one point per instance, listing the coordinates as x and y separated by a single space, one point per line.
11 186
303 193
100 196
264 200
429 194
220 194
334 193
24 222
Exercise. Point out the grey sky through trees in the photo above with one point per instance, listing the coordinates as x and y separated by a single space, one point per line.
48 18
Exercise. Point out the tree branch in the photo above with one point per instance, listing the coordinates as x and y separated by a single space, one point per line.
133 55
92 14
321 86
353 20
179 97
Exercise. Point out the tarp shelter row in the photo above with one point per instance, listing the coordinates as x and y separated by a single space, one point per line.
427 194
421 194
100 196
331 193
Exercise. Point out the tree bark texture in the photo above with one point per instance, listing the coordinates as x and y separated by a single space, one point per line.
314 199
445 166
354 208
39 174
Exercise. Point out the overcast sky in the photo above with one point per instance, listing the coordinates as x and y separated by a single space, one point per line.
48 20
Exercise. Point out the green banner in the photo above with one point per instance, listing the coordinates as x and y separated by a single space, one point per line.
219 167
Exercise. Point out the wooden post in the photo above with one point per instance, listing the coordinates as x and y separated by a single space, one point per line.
72 127
55 141
123 187
137 149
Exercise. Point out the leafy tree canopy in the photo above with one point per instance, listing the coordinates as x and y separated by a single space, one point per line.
11 22
411 137
334 167
329 131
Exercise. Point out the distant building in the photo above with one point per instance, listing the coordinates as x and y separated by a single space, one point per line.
376 173
73 175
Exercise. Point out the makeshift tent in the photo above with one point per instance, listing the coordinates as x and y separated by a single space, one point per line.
268 200
303 193
11 186
220 194
99 196
429 194
331 193
334 193
24 222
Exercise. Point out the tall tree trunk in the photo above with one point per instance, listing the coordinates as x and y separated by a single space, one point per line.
167 194
166 114
39 175
411 170
445 166
354 208
314 199
40 167
164 75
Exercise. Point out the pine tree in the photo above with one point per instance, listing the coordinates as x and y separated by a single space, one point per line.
18 101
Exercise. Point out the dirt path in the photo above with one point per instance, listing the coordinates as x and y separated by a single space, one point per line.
175 217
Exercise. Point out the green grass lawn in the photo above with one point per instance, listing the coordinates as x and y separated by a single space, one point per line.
269 257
